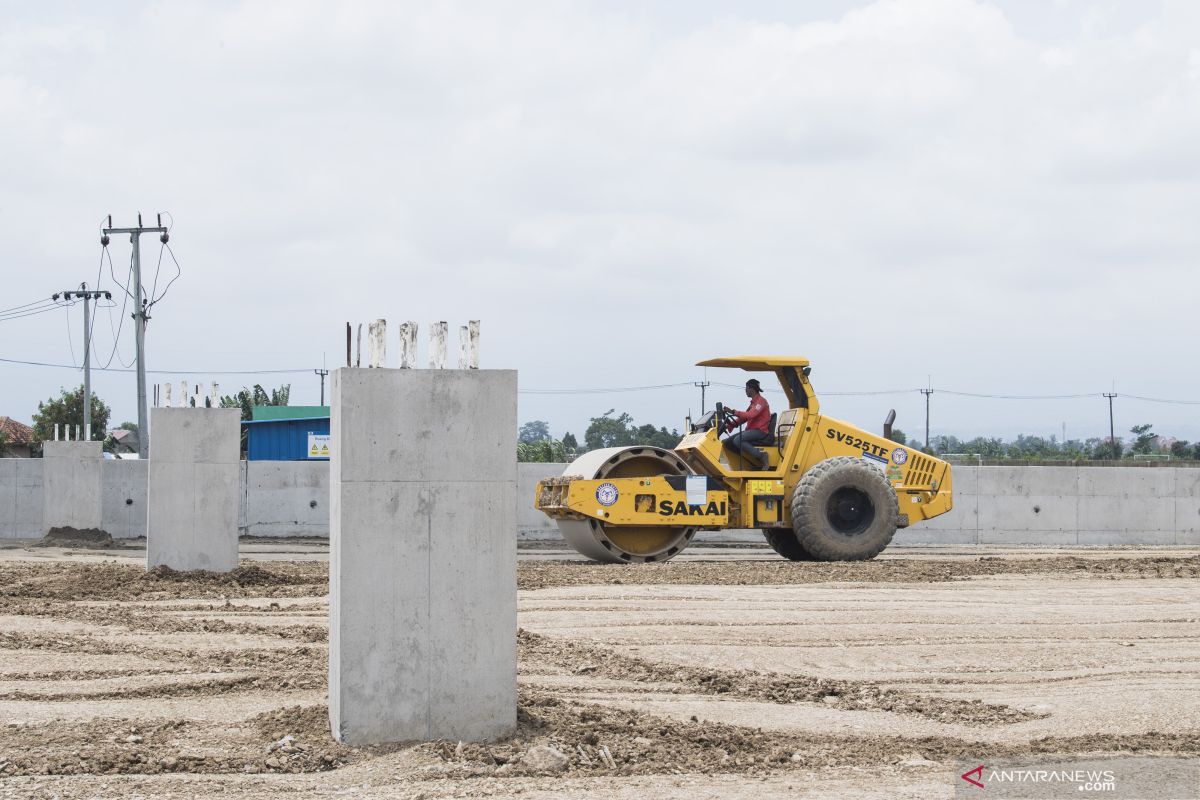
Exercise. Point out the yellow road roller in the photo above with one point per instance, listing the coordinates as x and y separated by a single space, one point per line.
818 488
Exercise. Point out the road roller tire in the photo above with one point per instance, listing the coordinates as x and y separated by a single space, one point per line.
844 510
784 542
625 544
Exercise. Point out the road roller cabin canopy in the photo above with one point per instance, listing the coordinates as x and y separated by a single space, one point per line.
755 363
792 372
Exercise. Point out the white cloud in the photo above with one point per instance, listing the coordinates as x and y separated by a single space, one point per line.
911 187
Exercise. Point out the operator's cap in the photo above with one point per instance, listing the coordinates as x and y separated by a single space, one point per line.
754 384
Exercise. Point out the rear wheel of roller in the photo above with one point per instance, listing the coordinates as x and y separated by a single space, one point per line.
783 541
844 510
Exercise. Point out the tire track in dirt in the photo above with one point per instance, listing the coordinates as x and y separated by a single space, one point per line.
587 659
550 574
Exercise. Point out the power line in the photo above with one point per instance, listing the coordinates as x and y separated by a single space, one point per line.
1020 396
162 371
50 303
29 308
178 272
614 390
124 286
1161 400
824 393
26 305
99 294
157 269
121 326
608 390
70 340
33 312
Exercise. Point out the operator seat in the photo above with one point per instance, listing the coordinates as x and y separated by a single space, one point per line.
770 440
780 432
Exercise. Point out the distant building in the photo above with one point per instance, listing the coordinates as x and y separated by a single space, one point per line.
287 433
124 442
16 439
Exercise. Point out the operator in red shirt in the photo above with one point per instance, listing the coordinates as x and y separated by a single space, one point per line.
758 426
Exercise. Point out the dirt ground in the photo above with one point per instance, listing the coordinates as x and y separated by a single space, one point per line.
729 674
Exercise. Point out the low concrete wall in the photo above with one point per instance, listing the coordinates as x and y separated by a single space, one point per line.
71 485
1067 506
21 497
284 498
123 498
531 523
276 498
992 504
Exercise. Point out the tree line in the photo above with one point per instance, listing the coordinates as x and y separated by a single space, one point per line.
610 429
1143 442
67 410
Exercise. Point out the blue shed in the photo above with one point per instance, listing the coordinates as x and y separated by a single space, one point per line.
297 439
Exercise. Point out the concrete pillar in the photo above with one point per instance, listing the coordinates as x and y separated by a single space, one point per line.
71 485
422 573
192 499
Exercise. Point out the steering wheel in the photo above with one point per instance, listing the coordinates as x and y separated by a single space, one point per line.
727 414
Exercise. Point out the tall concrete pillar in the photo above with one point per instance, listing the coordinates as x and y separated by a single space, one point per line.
422 572
71 485
192 497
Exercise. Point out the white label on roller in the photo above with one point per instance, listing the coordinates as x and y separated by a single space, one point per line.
875 461
697 490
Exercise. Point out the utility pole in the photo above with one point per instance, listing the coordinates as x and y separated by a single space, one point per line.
1112 434
322 373
703 385
927 393
139 317
87 297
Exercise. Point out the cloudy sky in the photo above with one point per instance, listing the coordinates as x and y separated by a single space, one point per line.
997 197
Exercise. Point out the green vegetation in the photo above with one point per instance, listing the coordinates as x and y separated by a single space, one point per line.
67 409
246 399
607 430
536 431
535 442
1145 444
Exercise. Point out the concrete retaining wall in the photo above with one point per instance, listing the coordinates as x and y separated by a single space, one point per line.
531 523
284 498
21 497
993 504
276 498
71 485
123 498
1067 506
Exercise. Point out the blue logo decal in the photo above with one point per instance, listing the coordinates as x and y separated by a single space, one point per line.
607 494
899 455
